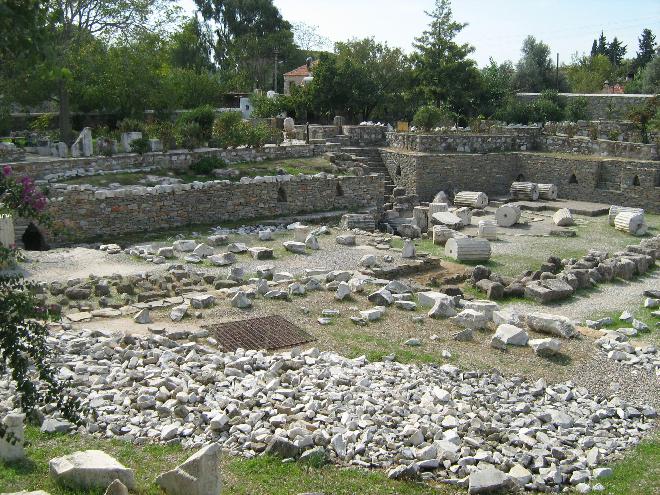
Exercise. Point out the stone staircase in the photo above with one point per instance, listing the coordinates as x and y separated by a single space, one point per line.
372 158
20 225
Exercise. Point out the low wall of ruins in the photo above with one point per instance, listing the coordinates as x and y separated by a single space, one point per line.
606 180
600 106
87 215
491 143
175 159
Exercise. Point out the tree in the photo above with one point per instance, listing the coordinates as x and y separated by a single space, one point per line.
594 48
497 83
308 39
443 72
535 69
192 47
616 51
646 49
601 48
588 74
22 25
72 23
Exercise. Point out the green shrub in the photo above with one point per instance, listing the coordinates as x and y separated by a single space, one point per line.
43 123
613 136
130 125
164 131
227 130
189 135
548 107
576 109
206 165
204 116
515 112
140 145
430 116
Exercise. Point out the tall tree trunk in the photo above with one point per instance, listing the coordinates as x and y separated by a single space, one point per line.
65 113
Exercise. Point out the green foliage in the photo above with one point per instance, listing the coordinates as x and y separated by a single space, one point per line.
189 135
204 116
192 47
43 123
549 106
130 125
140 146
163 130
577 109
442 70
645 116
588 74
226 132
206 165
646 51
497 82
430 116
265 107
535 70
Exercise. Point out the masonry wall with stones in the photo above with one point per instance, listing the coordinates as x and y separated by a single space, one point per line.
176 159
614 130
600 106
364 135
89 215
607 180
489 143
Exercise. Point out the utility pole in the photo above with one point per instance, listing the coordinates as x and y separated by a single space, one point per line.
275 73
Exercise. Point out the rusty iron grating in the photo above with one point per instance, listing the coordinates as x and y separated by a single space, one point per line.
268 332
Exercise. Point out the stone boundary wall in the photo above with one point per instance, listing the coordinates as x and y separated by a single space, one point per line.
614 181
462 143
90 215
176 159
490 143
365 135
600 147
600 106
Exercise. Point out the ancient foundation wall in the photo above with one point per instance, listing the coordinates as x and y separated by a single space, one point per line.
88 215
176 159
600 106
606 180
364 135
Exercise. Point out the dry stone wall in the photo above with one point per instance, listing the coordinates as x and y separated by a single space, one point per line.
606 180
176 159
600 106
101 214
587 146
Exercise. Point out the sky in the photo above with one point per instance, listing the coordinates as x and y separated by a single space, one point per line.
496 28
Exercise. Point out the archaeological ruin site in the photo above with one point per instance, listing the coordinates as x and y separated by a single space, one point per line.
333 289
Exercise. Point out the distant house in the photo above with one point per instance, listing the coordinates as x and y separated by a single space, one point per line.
298 77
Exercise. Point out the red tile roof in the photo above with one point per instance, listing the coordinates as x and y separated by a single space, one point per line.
300 71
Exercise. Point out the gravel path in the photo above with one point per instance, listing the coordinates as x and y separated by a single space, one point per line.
620 296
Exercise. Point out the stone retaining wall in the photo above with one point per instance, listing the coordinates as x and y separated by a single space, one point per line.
600 106
364 135
175 159
614 181
490 143
613 130
89 215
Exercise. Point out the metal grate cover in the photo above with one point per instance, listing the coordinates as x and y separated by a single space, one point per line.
268 332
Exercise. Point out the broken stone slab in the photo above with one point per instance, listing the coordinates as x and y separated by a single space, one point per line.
90 469
442 308
218 240
563 218
382 297
368 261
545 347
429 298
448 219
373 314
178 312
294 247
54 425
203 250
223 259
198 475
116 488
261 253
489 480
549 290
12 442
142 317
237 248
482 306
345 239
408 249
312 242
343 291
265 235
184 246
201 301
512 335
559 326
471 319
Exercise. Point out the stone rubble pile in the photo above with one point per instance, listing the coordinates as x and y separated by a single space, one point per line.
427 421
558 279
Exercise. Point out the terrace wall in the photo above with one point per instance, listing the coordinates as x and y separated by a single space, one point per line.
85 215
600 106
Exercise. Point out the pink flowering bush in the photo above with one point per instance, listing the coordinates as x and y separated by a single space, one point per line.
21 196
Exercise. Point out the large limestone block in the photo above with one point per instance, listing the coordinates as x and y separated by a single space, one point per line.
11 444
551 324
198 475
90 469
563 217
446 218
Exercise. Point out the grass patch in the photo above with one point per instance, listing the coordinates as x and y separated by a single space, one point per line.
638 473
258 476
